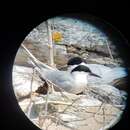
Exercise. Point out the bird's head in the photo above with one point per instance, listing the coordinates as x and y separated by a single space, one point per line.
84 70
74 62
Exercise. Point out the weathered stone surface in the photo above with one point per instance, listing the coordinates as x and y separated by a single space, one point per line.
78 111
79 39
60 55
72 110
106 93
23 83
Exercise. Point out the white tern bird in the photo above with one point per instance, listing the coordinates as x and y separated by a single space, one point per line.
74 81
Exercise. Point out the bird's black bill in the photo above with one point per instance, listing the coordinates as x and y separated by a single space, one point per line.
95 75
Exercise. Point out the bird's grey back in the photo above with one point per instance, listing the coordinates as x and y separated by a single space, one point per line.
62 79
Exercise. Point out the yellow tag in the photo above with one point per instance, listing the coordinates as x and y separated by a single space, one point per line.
56 36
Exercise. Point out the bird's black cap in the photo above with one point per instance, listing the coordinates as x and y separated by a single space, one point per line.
75 61
83 68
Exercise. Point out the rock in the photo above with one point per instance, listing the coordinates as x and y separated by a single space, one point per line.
106 93
70 112
121 83
104 61
62 52
79 38
22 78
60 55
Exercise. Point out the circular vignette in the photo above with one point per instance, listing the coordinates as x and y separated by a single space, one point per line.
114 35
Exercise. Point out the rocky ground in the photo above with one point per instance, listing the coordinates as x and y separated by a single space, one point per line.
62 110
78 39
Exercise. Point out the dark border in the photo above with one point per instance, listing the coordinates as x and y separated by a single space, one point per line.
13 33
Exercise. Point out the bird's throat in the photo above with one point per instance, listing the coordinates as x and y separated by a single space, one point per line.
80 77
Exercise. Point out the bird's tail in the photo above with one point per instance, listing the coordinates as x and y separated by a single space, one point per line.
35 61
115 73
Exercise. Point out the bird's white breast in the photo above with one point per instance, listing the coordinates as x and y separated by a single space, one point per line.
80 79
